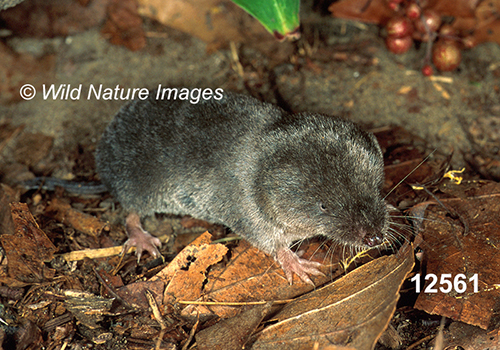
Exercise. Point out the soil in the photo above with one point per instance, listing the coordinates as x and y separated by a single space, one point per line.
337 67
344 70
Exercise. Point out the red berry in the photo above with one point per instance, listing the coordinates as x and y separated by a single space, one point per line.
469 42
431 19
446 55
413 11
447 31
399 27
427 70
398 45
393 6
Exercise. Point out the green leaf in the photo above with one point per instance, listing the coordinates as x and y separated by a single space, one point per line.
279 17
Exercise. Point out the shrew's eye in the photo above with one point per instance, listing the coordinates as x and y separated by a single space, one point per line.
322 207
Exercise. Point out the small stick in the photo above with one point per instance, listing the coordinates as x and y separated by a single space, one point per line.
157 316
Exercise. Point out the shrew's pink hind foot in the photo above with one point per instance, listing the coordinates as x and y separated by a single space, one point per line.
139 238
291 263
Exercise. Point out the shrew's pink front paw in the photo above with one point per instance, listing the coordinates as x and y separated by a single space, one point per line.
139 238
291 263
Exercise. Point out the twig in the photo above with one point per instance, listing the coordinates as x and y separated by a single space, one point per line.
157 316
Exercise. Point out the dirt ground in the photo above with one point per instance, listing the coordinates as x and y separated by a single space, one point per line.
364 84
337 67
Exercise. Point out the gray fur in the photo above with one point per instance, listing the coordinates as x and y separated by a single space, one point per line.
271 177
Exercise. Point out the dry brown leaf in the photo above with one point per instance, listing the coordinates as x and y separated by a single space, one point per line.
7 196
209 20
353 310
484 25
124 25
185 275
469 246
460 335
27 334
135 295
232 333
370 11
404 161
190 222
460 8
488 32
63 212
39 18
252 275
182 259
28 248
217 22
